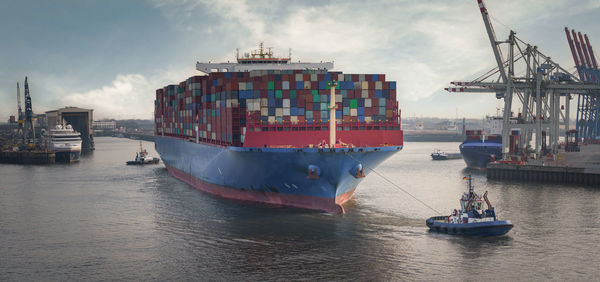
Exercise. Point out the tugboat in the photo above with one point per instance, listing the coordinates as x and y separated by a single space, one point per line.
438 155
471 219
142 158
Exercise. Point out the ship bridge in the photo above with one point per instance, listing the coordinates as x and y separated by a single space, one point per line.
261 59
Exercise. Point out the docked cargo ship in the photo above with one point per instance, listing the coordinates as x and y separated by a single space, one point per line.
484 146
267 130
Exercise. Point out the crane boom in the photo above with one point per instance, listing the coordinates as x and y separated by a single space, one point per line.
492 35
574 53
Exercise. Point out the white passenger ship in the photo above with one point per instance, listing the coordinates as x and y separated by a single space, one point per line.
64 142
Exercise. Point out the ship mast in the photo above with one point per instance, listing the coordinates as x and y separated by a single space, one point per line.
332 107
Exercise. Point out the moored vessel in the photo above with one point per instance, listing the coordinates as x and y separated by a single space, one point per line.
438 155
64 141
268 130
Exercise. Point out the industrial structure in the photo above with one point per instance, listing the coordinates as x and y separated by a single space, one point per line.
542 87
28 129
588 105
81 121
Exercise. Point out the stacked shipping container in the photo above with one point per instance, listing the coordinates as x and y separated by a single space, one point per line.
225 105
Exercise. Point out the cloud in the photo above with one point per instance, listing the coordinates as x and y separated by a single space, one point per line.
128 96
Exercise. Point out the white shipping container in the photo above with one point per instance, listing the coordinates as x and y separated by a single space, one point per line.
353 112
365 94
286 111
214 136
340 77
242 86
298 77
378 85
228 103
264 102
264 112
313 77
257 104
271 119
294 119
286 103
278 112
338 98
368 102
368 119
285 85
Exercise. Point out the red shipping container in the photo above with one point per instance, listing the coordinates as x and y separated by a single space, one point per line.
285 94
301 103
301 119
355 77
308 106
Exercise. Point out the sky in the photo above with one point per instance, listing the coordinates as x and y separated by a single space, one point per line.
111 55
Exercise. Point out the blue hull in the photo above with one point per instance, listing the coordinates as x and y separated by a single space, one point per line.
478 154
489 228
271 175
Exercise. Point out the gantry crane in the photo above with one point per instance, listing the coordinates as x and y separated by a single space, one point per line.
588 106
541 85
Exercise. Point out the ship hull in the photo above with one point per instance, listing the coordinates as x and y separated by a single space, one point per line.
67 156
272 175
478 155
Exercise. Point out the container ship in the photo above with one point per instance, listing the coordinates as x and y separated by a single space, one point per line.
484 146
265 129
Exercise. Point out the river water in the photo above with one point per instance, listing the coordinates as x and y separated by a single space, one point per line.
101 220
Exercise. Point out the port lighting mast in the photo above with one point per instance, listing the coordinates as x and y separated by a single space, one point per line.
28 132
539 87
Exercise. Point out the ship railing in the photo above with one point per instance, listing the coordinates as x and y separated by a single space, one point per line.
320 126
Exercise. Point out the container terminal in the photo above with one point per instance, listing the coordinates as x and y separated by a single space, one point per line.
544 89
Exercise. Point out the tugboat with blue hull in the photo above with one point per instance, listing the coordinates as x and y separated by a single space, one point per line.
471 219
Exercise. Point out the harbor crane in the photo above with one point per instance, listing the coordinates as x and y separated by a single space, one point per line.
588 106
19 111
527 76
28 131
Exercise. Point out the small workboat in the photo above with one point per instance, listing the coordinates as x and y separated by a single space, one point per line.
438 155
471 219
142 158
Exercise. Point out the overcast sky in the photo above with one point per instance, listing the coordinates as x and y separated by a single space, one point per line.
111 55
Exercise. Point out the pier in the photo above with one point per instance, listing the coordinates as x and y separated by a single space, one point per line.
27 157
581 168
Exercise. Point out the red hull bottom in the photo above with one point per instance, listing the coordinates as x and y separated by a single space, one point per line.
298 201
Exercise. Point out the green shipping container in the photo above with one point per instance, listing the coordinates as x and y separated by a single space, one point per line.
353 104
292 94
271 85
316 98
278 94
